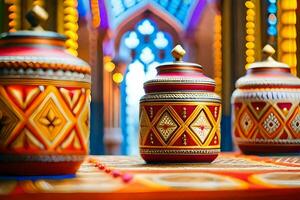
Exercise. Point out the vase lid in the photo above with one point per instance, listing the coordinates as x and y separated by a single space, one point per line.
179 75
37 48
269 61
268 73
178 53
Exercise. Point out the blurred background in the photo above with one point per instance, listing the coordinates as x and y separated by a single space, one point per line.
124 40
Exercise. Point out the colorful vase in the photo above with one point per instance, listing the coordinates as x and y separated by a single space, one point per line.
265 108
44 105
180 114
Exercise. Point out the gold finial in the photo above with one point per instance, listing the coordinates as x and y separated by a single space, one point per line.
268 50
35 16
178 52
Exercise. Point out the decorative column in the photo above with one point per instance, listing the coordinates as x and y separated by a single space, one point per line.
95 13
71 25
287 33
14 15
218 52
253 45
113 77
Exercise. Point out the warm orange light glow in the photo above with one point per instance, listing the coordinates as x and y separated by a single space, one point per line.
218 53
38 2
109 66
250 45
288 4
250 59
287 33
118 77
107 59
95 13
12 24
250 31
250 38
249 4
250 25
289 46
291 59
71 25
289 17
250 52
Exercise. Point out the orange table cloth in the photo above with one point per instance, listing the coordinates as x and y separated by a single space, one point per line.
230 176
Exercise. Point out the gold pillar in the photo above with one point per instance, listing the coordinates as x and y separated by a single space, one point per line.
226 56
287 33
253 41
14 11
112 107
71 25
60 18
218 53
38 2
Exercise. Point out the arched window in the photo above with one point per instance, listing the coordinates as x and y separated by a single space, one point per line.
147 46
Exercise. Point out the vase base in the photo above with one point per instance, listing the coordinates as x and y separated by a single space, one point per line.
269 149
38 168
158 158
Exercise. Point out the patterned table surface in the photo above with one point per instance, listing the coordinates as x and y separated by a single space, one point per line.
230 176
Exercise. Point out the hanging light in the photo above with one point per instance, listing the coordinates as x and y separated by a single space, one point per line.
118 77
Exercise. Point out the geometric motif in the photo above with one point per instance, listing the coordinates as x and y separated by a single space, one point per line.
201 126
214 111
144 125
284 107
295 124
258 108
271 123
84 120
246 123
152 110
8 121
179 131
50 119
37 117
71 141
166 126
185 111
71 96
26 140
23 96
276 123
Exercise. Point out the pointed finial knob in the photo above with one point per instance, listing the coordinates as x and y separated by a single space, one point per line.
178 52
268 50
35 16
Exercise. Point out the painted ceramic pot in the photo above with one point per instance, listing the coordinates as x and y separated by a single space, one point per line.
180 114
265 105
44 105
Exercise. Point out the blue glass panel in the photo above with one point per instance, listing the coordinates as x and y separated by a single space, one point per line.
272 8
272 31
83 7
177 9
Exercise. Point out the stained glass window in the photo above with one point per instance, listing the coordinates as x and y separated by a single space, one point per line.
179 10
148 46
